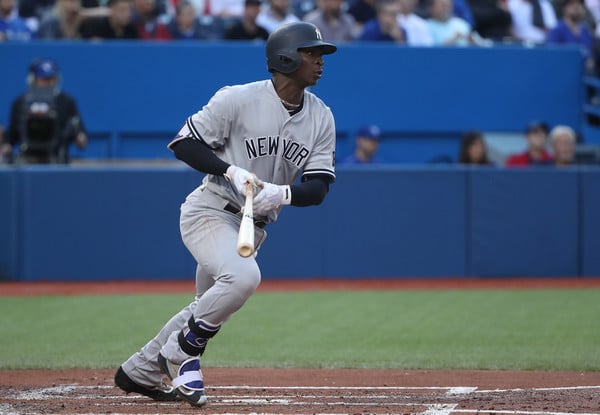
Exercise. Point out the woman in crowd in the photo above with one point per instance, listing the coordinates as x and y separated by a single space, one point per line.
473 149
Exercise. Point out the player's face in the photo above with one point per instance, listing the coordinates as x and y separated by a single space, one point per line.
311 68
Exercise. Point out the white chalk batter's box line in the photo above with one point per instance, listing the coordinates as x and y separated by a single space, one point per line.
431 409
454 390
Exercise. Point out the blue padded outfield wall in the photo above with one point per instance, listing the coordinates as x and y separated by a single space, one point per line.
89 223
135 95
108 222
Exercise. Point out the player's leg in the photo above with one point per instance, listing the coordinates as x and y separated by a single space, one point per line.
141 373
238 279
231 280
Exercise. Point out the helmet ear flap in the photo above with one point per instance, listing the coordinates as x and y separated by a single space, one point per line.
289 61
285 60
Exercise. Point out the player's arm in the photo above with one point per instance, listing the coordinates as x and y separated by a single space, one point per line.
198 155
311 191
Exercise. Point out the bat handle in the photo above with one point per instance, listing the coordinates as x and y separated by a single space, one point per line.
249 191
245 245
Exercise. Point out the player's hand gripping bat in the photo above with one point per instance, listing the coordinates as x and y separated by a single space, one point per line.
245 245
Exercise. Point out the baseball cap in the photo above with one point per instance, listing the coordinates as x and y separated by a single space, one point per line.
536 126
372 132
44 68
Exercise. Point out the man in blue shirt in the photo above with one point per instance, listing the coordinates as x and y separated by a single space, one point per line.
572 29
12 27
367 144
385 26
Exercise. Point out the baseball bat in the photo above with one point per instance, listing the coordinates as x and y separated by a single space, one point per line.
245 245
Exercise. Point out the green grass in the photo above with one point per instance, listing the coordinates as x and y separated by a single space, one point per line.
497 329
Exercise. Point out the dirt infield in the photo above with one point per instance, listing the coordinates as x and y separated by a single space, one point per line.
309 391
166 287
314 391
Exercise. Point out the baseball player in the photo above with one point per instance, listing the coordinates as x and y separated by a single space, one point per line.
267 133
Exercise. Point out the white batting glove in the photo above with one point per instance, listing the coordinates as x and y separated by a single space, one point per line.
271 197
239 177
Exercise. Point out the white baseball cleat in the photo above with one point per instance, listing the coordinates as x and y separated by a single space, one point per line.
186 378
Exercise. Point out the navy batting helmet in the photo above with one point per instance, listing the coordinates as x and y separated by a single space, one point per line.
284 42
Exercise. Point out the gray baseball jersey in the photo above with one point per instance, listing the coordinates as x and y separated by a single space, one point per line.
247 126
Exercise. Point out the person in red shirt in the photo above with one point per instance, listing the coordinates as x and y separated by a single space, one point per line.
536 135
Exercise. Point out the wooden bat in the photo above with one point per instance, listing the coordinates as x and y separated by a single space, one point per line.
245 245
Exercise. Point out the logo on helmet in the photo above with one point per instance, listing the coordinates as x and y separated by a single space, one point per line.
318 32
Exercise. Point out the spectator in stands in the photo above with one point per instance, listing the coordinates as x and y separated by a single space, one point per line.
13 27
185 25
385 26
217 16
202 7
62 21
473 149
44 121
362 11
247 28
33 11
573 29
335 24
447 29
416 28
460 8
276 13
492 19
593 18
302 7
563 140
225 9
117 25
366 146
593 13
536 135
532 19
149 24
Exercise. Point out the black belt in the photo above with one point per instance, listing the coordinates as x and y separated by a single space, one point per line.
230 208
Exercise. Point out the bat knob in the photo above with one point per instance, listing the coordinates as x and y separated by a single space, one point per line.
245 250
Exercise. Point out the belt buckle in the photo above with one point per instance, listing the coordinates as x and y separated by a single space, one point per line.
231 209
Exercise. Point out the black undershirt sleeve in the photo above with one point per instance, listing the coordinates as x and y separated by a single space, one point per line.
310 192
198 155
